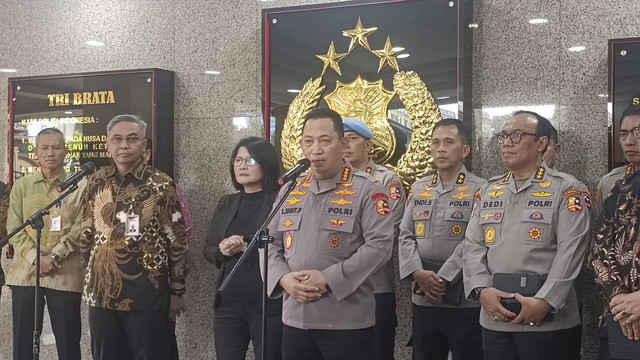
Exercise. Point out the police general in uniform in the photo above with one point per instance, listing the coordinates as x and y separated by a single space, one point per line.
524 247
384 285
431 234
331 235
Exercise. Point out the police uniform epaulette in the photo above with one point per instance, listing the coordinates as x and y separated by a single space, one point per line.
362 174
616 172
567 177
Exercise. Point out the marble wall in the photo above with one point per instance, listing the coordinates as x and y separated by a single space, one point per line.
516 65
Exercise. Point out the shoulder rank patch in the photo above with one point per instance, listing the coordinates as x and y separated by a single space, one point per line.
346 174
507 177
293 200
434 179
461 195
308 177
341 202
540 173
628 170
541 194
344 192
369 170
382 203
461 178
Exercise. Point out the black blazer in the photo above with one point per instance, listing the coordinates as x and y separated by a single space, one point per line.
225 211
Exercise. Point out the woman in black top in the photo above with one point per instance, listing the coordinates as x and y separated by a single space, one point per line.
237 315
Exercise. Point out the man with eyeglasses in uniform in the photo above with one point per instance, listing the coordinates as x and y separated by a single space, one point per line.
134 241
528 234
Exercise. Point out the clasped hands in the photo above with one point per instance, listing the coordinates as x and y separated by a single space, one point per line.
626 310
532 313
305 286
232 245
432 286
47 266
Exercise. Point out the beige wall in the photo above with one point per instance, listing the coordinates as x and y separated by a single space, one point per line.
515 64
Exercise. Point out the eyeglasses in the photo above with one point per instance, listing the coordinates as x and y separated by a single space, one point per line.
131 140
635 131
249 161
515 136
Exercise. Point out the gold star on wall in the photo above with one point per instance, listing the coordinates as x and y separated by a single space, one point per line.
359 35
331 59
388 55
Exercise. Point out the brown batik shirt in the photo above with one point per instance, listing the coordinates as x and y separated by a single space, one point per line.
133 272
615 251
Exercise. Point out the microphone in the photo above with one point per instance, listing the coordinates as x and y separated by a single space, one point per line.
87 169
295 171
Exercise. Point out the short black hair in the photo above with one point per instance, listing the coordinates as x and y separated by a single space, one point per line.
319 113
544 128
463 129
264 154
554 135
630 111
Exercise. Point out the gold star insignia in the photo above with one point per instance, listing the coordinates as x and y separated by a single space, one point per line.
331 59
388 55
359 35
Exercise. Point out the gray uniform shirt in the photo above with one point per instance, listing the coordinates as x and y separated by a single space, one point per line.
540 229
344 232
384 280
433 227
605 185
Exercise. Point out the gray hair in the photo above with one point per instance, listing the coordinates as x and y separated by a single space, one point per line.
50 131
127 118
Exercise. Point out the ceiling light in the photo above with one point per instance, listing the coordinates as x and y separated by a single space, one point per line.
576 48
68 112
94 43
294 91
212 72
538 21
402 56
8 70
443 97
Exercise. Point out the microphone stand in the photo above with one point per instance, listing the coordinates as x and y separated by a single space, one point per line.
37 223
262 238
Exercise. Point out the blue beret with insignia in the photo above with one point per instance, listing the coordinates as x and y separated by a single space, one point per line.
358 127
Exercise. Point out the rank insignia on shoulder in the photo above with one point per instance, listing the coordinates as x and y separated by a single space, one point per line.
586 196
489 235
463 187
382 203
369 170
540 173
308 177
288 241
535 233
288 223
293 201
507 177
344 192
457 215
461 195
628 170
461 178
425 194
298 192
342 201
544 184
346 174
541 194
536 216
456 229
338 223
434 179
334 242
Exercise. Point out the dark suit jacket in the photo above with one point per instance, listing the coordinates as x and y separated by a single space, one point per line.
225 211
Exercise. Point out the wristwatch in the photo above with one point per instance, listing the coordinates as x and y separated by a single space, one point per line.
475 293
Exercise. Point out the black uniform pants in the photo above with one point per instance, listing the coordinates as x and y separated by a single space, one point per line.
64 312
385 328
298 344
558 344
438 330
235 324
130 335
